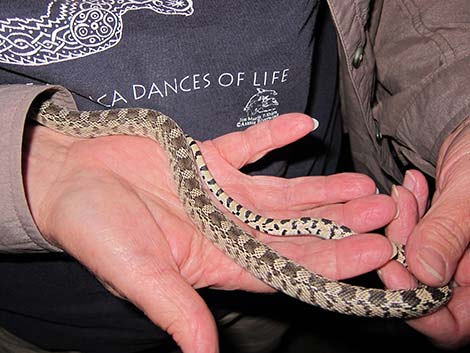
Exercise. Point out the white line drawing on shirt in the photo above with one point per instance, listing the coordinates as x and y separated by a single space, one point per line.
261 106
72 29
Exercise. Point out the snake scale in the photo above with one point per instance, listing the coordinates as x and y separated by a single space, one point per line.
191 174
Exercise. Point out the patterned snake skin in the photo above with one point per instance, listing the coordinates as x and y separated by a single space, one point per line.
260 260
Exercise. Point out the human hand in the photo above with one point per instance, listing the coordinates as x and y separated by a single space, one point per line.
111 203
437 246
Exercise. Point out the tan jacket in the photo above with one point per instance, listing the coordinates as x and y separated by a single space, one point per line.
405 69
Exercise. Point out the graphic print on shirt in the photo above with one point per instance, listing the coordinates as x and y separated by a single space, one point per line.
262 106
73 29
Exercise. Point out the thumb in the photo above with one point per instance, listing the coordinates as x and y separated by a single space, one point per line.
439 241
245 147
172 304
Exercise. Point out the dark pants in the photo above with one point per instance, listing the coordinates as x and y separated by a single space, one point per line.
241 334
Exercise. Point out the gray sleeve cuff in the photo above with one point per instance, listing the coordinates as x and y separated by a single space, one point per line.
18 232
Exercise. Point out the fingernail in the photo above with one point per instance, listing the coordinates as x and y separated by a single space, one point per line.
394 250
316 123
433 262
395 197
409 182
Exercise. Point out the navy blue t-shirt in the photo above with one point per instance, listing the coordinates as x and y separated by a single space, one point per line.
214 66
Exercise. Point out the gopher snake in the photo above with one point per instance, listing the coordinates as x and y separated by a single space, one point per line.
279 272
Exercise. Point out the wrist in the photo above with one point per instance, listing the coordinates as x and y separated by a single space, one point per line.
44 155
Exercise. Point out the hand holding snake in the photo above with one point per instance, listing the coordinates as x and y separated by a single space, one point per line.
136 224
443 228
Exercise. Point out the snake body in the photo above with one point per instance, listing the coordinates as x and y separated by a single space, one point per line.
191 174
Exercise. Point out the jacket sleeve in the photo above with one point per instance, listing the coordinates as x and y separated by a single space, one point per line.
18 232
423 66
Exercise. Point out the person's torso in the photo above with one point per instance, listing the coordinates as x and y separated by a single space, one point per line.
213 66
206 63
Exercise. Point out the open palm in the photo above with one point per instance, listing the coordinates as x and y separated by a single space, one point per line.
111 203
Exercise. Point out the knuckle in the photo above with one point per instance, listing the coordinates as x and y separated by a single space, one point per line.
447 234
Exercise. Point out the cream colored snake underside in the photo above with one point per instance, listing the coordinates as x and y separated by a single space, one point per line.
272 268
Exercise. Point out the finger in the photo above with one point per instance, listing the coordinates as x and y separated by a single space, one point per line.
303 193
450 326
364 214
462 275
338 259
395 276
128 251
245 147
417 184
406 217
440 244
441 238
147 276
176 307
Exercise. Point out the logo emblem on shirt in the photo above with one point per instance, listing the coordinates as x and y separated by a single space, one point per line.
73 29
261 106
